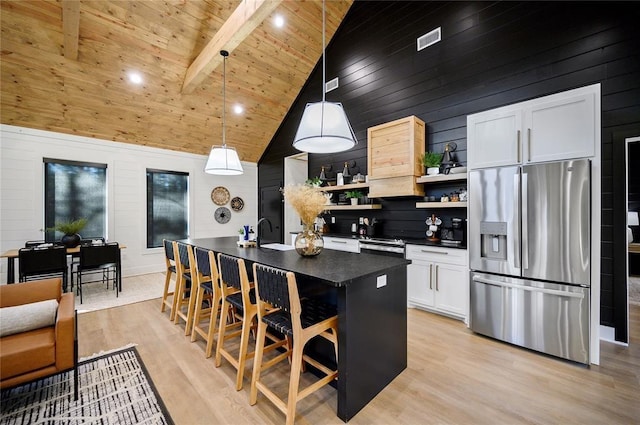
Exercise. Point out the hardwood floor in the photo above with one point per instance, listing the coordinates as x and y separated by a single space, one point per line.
453 376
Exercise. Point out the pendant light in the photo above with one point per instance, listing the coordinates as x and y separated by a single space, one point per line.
324 127
223 160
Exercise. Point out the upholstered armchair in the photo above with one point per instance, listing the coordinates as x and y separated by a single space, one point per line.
37 332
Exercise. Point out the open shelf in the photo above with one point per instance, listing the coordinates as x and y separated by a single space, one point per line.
441 205
344 187
353 207
439 178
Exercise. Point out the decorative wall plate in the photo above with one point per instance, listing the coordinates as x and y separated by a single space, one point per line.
222 215
237 204
220 195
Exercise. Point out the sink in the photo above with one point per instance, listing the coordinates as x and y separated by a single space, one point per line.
278 246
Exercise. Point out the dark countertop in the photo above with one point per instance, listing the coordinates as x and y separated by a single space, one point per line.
337 268
412 241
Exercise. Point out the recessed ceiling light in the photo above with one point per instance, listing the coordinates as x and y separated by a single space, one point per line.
135 78
238 109
278 21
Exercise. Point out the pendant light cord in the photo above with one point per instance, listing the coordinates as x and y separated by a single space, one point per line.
324 78
224 54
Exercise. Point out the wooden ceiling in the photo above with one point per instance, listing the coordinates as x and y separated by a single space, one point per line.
49 83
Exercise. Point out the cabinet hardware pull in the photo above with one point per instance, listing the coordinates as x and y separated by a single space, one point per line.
529 144
426 251
518 145
436 277
339 242
430 276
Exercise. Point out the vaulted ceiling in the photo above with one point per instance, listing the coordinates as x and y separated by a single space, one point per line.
65 67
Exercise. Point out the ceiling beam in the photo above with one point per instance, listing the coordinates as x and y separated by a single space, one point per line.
71 27
241 23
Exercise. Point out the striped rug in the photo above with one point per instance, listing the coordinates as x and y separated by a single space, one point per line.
115 388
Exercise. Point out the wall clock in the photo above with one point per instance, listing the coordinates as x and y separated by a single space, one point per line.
237 204
222 215
220 195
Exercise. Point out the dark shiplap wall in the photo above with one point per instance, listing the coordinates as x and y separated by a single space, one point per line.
492 54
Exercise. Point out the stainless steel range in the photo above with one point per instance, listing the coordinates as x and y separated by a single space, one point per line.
382 246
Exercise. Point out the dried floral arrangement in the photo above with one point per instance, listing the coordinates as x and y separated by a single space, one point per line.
306 200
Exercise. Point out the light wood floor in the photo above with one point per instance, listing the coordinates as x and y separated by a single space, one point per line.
453 376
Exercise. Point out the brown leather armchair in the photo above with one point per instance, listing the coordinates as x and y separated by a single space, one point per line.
38 353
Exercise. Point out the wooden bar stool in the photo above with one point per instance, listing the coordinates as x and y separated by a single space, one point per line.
185 296
171 270
207 280
277 290
237 292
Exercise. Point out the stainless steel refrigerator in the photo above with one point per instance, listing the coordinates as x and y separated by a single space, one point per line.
529 255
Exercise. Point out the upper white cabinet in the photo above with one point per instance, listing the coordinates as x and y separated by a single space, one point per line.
556 127
494 138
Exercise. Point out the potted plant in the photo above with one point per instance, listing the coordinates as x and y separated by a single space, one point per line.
241 234
314 181
431 161
354 195
71 230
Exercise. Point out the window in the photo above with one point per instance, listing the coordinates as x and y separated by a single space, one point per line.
75 190
167 206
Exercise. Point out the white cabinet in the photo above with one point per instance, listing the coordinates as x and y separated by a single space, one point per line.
557 127
341 244
438 280
494 138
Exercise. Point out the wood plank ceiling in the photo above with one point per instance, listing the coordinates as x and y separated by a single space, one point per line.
49 83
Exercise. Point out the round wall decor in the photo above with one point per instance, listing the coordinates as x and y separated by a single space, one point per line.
237 204
220 195
222 215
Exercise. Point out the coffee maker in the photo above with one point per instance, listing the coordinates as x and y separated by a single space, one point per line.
455 233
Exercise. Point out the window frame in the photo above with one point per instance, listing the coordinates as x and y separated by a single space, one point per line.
48 220
149 217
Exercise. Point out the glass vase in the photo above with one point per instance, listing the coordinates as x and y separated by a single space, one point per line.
309 242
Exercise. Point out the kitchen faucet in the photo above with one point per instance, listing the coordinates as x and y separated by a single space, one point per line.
258 230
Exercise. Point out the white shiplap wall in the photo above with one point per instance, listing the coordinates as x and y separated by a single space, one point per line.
22 193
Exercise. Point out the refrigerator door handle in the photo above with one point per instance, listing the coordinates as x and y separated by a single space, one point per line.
519 142
516 209
529 288
525 222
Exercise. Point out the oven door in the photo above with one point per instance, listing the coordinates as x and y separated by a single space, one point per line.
378 249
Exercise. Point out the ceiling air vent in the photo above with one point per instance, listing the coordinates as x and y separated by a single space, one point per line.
429 38
331 85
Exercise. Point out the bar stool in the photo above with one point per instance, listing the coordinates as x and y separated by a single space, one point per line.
207 280
171 270
277 289
183 296
236 292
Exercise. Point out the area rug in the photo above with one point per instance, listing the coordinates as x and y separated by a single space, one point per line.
135 289
634 290
115 388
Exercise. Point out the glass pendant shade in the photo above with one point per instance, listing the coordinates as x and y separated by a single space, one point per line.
224 161
324 128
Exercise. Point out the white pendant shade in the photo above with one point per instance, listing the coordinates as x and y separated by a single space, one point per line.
324 128
223 161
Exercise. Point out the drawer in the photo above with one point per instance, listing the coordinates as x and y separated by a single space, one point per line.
437 254
341 244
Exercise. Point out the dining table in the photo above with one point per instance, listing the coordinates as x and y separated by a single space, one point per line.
12 254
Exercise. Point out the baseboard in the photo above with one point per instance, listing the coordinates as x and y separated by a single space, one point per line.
608 334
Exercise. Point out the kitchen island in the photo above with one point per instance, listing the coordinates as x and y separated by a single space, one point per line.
370 292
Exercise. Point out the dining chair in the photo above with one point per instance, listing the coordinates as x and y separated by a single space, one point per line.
170 264
102 260
280 308
40 263
33 244
237 292
207 282
184 297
